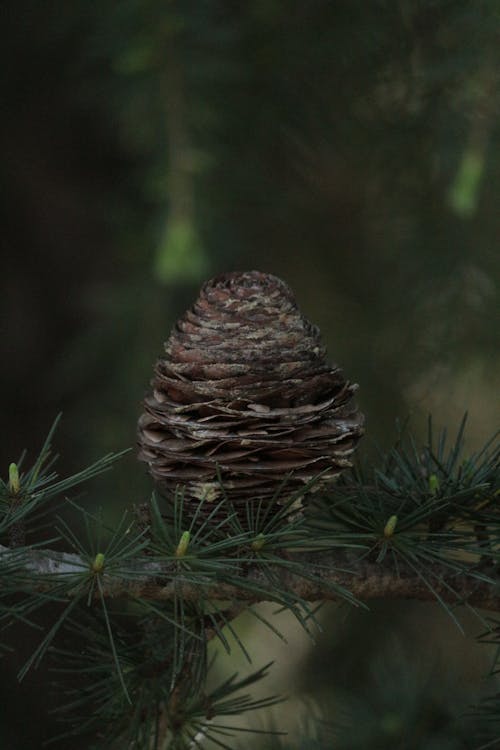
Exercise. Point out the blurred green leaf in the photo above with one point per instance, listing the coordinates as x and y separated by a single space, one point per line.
180 256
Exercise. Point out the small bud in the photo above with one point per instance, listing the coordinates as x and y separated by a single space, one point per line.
433 484
183 545
14 484
98 564
258 542
390 526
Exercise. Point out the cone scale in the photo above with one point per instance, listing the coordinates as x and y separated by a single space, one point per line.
244 397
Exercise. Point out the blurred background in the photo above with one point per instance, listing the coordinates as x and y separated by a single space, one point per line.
350 148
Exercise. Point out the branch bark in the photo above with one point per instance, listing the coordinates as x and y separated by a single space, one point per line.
161 581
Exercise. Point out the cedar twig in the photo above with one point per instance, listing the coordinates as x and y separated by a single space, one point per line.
162 580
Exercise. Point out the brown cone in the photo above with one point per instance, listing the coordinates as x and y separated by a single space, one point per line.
245 394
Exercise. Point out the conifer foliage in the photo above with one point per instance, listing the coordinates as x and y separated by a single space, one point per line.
137 607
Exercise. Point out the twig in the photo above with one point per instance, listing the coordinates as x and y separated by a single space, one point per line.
161 581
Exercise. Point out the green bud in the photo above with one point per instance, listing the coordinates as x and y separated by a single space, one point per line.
183 545
258 542
433 484
14 483
390 526
98 564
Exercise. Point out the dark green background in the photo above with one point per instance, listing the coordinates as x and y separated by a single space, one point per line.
351 148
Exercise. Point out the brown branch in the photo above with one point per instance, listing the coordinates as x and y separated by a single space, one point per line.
365 580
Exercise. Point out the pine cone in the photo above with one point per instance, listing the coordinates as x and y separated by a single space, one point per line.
245 397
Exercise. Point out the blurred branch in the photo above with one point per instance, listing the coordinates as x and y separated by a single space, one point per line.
180 254
464 191
179 148
161 581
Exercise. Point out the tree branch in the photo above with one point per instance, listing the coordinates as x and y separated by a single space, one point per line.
161 581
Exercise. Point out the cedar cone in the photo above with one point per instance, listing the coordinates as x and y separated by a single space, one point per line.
245 398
